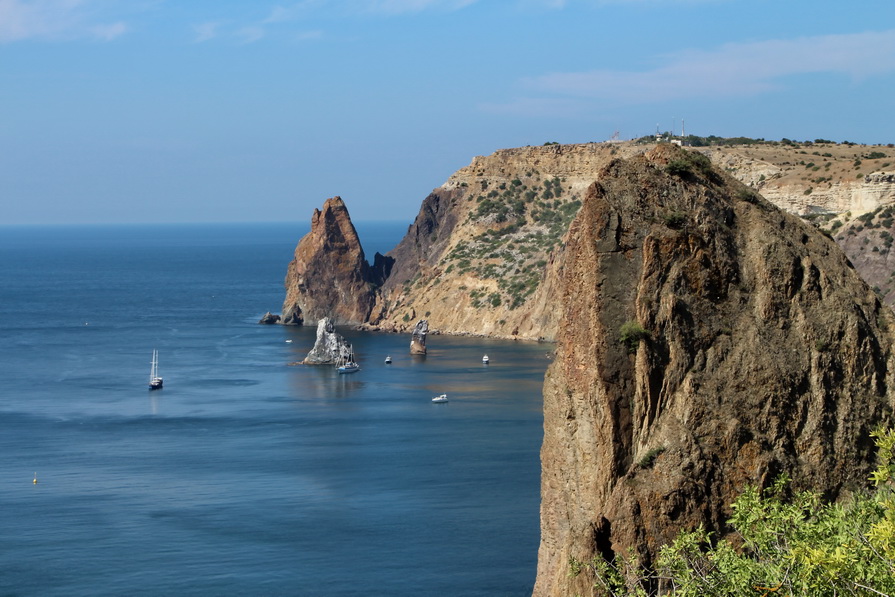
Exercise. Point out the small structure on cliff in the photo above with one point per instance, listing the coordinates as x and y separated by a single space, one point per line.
418 339
330 346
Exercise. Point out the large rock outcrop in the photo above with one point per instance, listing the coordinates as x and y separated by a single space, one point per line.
751 348
330 276
418 337
330 348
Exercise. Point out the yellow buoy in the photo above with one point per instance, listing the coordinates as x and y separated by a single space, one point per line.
35 478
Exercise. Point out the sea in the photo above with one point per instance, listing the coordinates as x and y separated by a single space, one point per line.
246 474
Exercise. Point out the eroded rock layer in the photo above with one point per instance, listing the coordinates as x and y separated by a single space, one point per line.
707 341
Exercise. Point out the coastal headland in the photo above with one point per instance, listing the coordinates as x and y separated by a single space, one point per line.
706 338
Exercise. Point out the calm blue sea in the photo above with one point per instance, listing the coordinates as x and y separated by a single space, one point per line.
244 475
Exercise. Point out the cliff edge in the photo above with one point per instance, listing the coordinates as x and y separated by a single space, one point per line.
707 341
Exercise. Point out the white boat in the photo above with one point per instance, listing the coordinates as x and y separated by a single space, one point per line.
155 380
485 360
388 360
347 363
440 399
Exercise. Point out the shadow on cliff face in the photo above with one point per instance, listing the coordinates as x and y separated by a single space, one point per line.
761 351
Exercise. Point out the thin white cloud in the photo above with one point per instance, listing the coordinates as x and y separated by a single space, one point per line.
280 16
54 20
528 107
308 35
206 31
251 33
404 6
110 31
741 69
561 4
292 12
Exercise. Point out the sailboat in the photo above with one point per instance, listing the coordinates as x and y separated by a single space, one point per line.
155 380
347 363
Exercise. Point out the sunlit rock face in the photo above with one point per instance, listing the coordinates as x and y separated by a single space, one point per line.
329 276
757 350
330 347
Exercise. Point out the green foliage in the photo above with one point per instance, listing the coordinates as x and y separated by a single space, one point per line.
650 457
630 334
679 168
675 219
690 163
746 194
798 545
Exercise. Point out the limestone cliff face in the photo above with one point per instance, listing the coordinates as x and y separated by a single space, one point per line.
484 253
762 351
830 178
329 276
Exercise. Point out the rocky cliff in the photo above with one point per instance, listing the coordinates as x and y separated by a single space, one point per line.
484 253
810 178
481 257
707 341
329 276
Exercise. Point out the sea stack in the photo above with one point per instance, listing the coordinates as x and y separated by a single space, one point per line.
329 276
708 341
329 347
269 319
418 338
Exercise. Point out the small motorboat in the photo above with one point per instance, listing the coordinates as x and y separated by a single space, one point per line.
388 360
440 399
485 360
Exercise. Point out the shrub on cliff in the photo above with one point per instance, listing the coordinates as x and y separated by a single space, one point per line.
796 546
630 334
688 164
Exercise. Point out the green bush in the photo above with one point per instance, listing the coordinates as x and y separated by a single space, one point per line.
630 334
679 168
799 545
650 457
675 220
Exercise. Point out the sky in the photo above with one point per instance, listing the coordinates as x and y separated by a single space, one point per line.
164 111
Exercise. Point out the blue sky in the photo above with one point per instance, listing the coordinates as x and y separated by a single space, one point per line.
120 111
